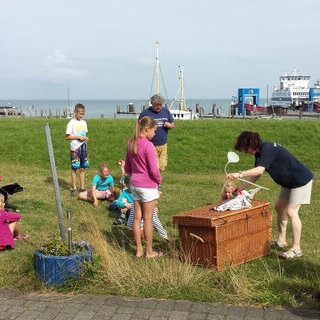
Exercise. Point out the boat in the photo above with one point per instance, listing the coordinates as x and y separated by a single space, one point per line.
9 111
251 108
182 112
293 91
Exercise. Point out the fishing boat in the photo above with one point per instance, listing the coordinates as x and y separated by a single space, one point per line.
293 90
182 112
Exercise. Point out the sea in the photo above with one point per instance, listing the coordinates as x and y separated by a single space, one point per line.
108 108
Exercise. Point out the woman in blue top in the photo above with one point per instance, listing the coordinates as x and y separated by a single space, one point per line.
294 178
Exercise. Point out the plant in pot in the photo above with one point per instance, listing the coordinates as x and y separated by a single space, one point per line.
55 264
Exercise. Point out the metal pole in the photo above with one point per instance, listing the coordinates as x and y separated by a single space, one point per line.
55 181
69 231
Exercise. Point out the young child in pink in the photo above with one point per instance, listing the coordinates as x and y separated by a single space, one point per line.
141 165
9 230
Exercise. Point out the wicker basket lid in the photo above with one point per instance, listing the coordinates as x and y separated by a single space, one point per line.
208 217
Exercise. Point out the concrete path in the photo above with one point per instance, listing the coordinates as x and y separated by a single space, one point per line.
35 306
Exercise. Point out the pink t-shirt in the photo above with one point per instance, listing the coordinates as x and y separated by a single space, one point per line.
143 166
6 237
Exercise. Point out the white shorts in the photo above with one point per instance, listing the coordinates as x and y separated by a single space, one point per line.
301 195
144 194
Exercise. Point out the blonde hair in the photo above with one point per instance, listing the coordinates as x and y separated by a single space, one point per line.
103 166
229 186
140 125
1 202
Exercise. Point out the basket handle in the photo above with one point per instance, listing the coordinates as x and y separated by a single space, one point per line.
197 237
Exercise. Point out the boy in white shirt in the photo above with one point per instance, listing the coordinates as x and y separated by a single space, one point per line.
76 133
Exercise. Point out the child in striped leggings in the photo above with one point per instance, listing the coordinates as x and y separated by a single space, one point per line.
155 223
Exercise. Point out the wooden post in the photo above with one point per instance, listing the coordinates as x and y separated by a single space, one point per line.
201 112
102 115
214 111
115 115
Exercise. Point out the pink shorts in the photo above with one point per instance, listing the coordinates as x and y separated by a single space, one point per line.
104 194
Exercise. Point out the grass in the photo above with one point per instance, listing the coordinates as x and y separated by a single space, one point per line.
194 177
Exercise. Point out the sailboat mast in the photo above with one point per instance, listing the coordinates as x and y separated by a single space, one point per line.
182 101
157 67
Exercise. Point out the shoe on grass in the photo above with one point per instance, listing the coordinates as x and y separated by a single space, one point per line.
277 244
118 221
74 192
290 254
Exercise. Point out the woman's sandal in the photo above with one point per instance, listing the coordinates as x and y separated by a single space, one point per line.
290 254
276 244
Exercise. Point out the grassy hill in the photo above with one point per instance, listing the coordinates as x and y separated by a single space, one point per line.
194 178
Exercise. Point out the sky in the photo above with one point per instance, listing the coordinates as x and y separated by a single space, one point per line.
103 49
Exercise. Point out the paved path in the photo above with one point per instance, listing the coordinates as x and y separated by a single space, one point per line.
35 306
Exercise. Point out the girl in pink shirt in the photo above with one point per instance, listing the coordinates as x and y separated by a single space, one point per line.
141 164
8 227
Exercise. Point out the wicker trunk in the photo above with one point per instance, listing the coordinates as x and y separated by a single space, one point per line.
220 239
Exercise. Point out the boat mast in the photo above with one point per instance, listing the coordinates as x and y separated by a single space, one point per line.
157 67
182 101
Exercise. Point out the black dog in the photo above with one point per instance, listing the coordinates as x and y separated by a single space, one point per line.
8 191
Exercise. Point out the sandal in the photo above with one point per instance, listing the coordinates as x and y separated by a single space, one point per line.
20 237
276 244
290 254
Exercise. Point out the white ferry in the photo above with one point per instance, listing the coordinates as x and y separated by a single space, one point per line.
293 91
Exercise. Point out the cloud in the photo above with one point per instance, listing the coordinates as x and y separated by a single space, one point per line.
59 68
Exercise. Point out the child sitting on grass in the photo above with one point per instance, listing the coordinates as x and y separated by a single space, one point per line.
232 199
102 187
9 230
123 203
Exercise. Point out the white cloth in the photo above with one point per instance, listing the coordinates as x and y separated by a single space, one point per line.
242 200
76 128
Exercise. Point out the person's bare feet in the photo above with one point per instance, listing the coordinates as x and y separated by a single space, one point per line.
139 254
154 254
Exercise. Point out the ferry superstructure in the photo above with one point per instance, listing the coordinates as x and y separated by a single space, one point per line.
293 91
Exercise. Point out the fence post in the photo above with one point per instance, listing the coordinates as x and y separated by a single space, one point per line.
55 181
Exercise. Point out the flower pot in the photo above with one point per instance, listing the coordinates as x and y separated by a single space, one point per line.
56 270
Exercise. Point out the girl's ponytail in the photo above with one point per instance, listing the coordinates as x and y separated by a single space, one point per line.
140 125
